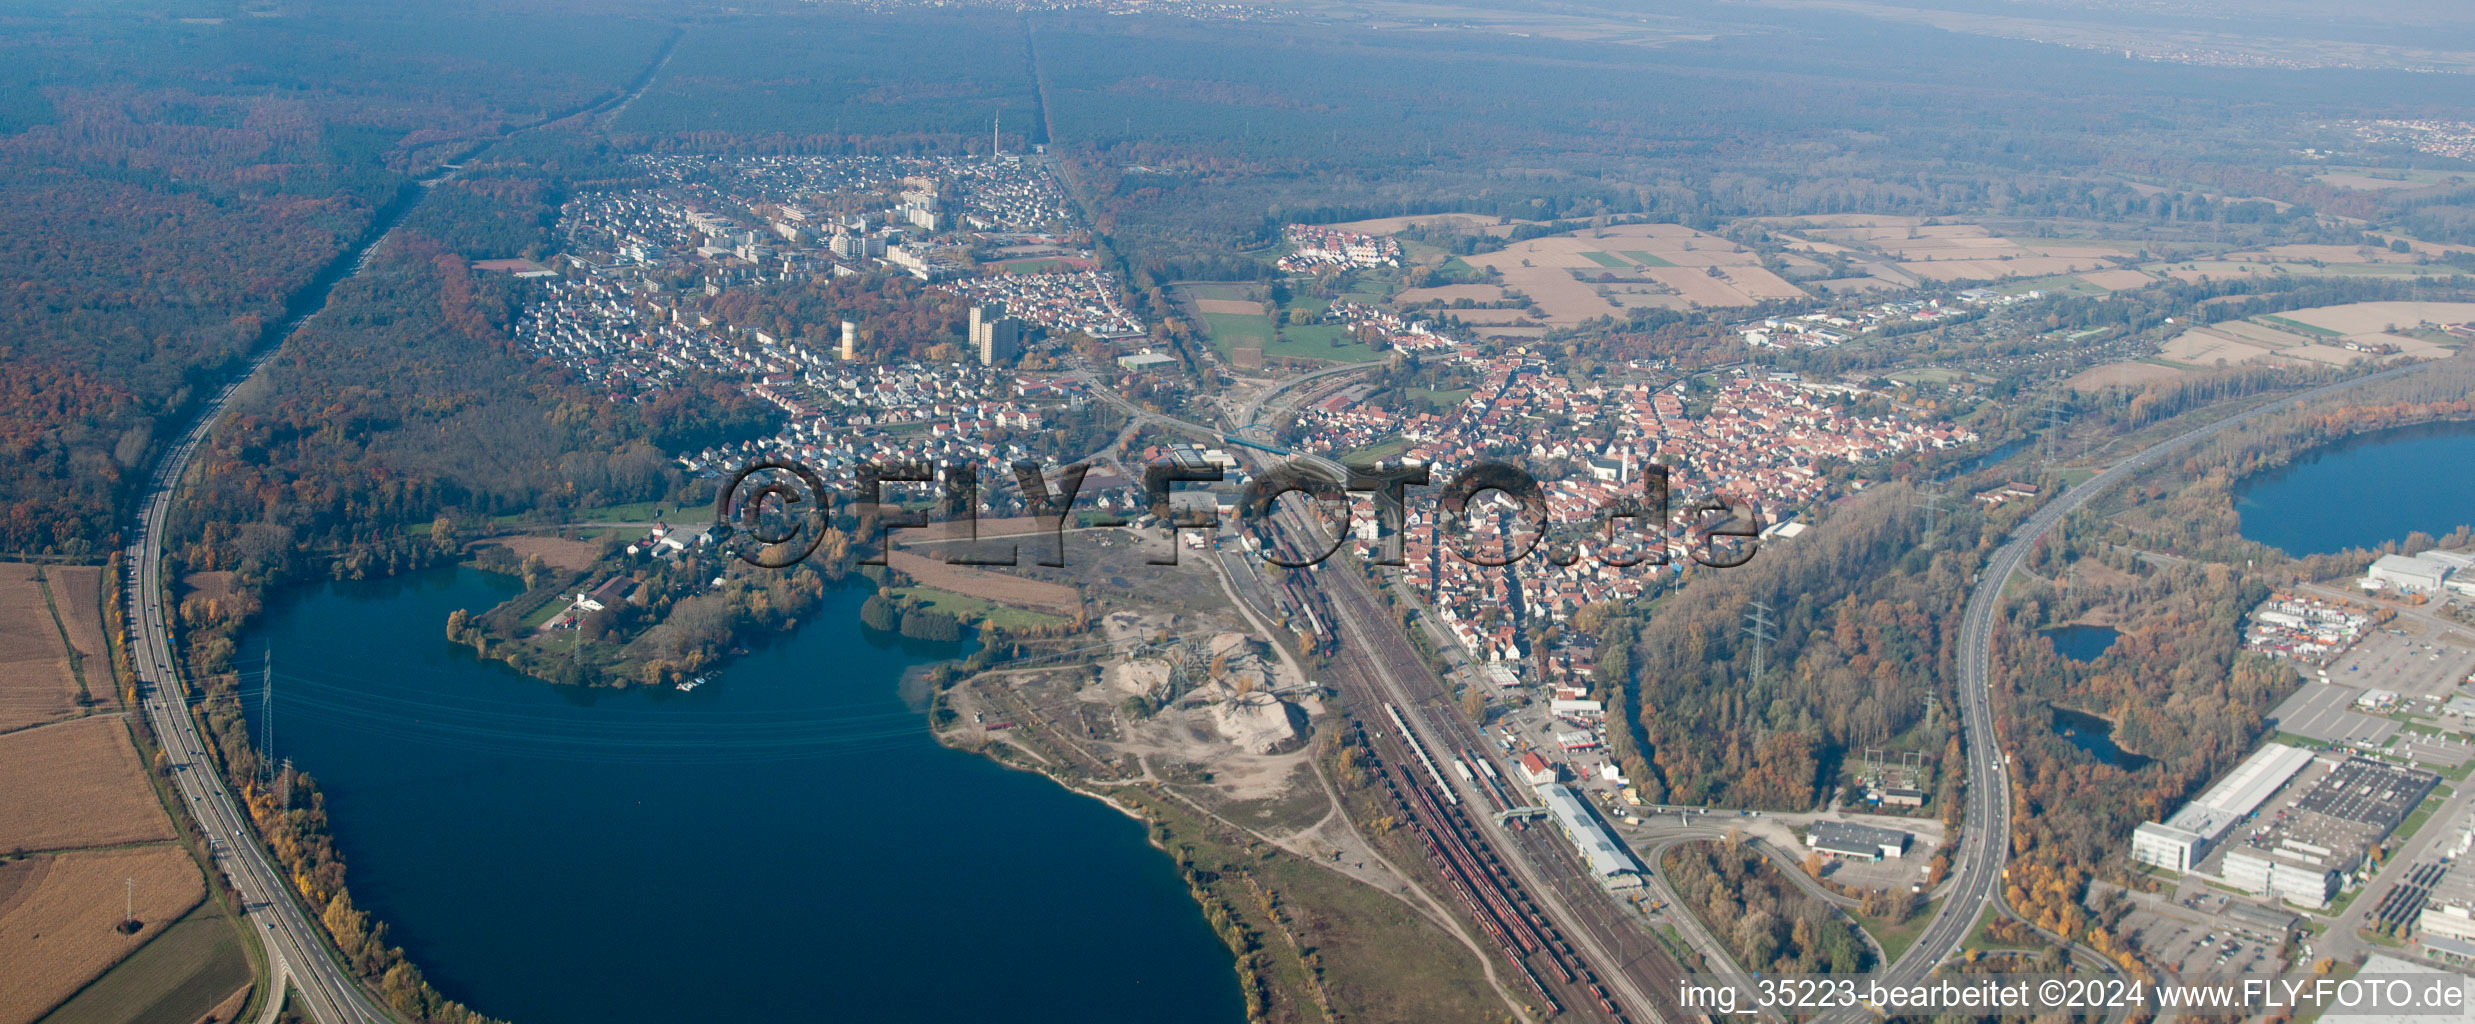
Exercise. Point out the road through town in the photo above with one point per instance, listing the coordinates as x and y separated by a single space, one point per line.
1985 842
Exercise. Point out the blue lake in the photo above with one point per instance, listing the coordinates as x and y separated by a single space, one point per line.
2095 735
2080 642
785 843
2362 491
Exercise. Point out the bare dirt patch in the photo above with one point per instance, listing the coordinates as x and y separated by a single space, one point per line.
556 552
2204 346
77 594
1950 252
34 691
76 784
26 629
1054 598
1240 307
1563 274
228 1010
208 585
2124 374
2323 253
59 915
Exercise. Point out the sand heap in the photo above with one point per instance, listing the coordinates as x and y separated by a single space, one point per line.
1140 677
1259 723
1243 707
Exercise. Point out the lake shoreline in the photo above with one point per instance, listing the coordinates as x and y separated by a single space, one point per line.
808 664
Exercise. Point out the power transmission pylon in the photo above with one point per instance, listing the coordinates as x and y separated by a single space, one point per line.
1760 630
283 786
266 719
1931 502
2054 410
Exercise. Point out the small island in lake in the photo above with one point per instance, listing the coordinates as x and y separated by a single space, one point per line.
659 608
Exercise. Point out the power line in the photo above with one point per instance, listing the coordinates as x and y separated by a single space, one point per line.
266 719
2054 410
1760 630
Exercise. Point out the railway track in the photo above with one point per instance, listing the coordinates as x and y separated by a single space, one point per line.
1519 903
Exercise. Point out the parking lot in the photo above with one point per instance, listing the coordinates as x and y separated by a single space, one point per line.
2389 659
2326 713
2193 940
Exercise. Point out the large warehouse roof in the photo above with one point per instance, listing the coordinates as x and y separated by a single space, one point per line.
2242 791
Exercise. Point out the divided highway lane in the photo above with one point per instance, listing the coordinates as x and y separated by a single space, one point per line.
296 950
1985 842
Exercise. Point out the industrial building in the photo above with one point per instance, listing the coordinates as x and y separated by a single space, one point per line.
2299 872
1863 842
2427 573
2181 841
1610 861
2305 854
2449 910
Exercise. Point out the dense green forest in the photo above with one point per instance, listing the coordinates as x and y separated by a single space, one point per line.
842 82
406 401
1863 612
172 184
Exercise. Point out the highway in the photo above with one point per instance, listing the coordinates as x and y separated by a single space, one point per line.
1985 842
296 949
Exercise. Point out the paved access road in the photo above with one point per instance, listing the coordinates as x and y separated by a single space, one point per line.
1986 842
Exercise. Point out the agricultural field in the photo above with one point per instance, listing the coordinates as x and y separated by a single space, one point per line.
37 681
2323 335
1237 316
1931 251
2383 179
2372 318
1582 275
2130 373
2118 280
196 968
2313 261
80 821
74 784
556 552
61 916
